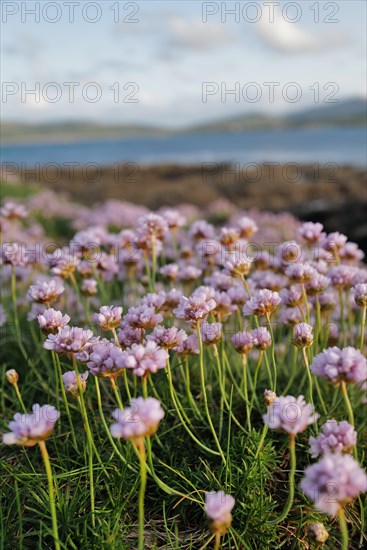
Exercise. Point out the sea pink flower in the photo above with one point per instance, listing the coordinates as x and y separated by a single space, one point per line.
318 283
211 333
170 271
89 287
109 317
70 340
46 292
106 360
12 211
218 508
145 359
29 429
243 342
337 364
246 227
360 294
139 420
333 482
335 437
311 232
261 338
269 397
290 414
167 337
63 262
142 317
292 296
201 230
71 382
342 276
262 302
195 308
50 321
302 335
190 346
301 273
128 335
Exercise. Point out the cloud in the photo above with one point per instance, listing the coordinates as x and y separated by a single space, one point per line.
195 35
291 38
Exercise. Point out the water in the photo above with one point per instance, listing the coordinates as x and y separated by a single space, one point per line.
340 145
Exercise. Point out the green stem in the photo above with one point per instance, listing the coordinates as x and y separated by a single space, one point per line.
309 375
15 312
205 397
347 402
245 391
363 323
19 397
58 365
343 529
51 495
342 317
143 484
115 389
255 379
288 506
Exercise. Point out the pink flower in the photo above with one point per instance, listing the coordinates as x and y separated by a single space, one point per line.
290 414
190 346
261 338
167 337
71 382
50 321
335 437
139 420
301 273
142 317
29 429
262 302
335 364
218 508
145 359
360 294
311 232
302 335
70 340
106 360
109 317
211 333
243 342
46 292
333 482
195 308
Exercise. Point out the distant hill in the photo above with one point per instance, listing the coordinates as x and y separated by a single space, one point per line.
348 112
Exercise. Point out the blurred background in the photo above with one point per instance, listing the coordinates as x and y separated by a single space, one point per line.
160 102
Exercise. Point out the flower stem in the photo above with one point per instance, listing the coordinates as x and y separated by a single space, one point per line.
287 507
205 397
347 402
363 324
51 495
143 484
19 397
115 389
309 375
56 357
343 529
217 540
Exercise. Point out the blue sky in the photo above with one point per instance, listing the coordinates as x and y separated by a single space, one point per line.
169 52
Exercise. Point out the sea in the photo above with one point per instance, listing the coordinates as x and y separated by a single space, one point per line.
338 145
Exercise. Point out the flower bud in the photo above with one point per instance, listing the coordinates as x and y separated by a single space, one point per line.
12 376
269 397
317 534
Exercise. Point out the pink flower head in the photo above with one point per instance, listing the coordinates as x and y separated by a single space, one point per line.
195 308
211 333
189 273
335 364
71 382
243 342
335 437
167 337
201 230
333 482
142 317
261 338
317 284
292 296
190 346
170 271
89 287
12 211
46 292
106 360
109 317
246 227
311 232
50 321
29 429
128 335
290 414
238 268
218 508
262 302
145 359
70 340
342 276
360 294
63 262
13 254
139 420
302 335
300 273
152 226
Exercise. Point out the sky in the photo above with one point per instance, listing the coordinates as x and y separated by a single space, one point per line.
174 63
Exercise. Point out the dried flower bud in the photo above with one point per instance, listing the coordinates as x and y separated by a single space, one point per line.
12 376
317 534
269 397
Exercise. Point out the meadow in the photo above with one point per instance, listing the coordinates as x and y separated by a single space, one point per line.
197 375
